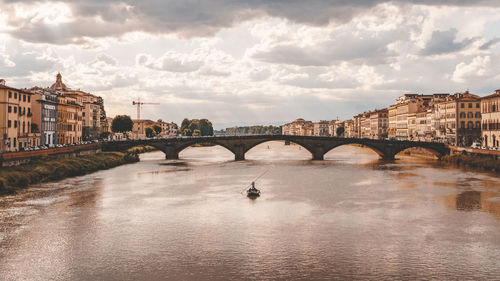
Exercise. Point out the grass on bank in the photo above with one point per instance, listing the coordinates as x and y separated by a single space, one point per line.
16 177
485 162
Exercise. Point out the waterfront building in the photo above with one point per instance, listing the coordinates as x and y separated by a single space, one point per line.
168 130
379 122
349 131
490 113
392 124
15 119
333 126
357 126
320 129
412 126
299 127
365 123
69 119
139 128
44 106
90 116
460 119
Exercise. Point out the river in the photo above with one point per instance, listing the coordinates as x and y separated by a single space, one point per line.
349 217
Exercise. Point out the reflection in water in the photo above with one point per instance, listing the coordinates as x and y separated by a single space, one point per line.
350 217
469 201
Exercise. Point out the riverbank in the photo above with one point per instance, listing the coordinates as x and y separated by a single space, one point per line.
483 162
17 177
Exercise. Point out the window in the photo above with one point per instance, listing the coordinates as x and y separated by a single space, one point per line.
15 95
478 125
9 123
462 124
24 98
15 109
15 123
462 105
478 115
470 105
477 105
470 115
462 114
15 142
10 94
10 109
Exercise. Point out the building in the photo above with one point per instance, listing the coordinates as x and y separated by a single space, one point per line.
392 126
44 107
168 130
320 129
69 119
349 131
333 126
15 119
379 123
459 119
299 127
90 116
139 128
365 125
490 114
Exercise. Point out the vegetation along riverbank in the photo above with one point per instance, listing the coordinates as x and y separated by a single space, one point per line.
16 177
484 162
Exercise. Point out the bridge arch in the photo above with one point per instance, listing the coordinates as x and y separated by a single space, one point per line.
371 147
247 149
437 153
213 142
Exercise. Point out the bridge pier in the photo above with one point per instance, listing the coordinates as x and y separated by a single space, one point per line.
239 151
171 152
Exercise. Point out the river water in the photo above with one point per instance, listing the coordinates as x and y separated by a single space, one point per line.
349 217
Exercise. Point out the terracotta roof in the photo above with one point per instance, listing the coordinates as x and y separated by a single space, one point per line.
15 89
495 95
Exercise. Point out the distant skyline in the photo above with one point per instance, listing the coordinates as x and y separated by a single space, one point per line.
252 62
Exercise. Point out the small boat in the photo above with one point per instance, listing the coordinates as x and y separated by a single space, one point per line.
253 192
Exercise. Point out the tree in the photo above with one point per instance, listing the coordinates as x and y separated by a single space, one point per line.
340 131
157 129
184 124
150 132
122 124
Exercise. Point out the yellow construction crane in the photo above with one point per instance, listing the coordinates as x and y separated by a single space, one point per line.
139 103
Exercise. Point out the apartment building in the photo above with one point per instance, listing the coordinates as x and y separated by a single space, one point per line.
15 119
299 127
320 129
459 119
44 106
167 129
69 119
349 131
490 113
379 123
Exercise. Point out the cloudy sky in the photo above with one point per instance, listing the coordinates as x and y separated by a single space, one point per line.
241 62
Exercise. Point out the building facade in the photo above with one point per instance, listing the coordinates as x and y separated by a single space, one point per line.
490 113
44 105
379 123
15 119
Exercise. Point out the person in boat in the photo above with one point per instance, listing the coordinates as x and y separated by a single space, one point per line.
253 186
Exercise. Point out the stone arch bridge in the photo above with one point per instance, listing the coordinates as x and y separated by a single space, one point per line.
239 145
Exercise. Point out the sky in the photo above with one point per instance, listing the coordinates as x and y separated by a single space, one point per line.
240 62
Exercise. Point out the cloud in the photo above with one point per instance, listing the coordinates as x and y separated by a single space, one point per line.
77 21
477 68
172 62
489 44
444 42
